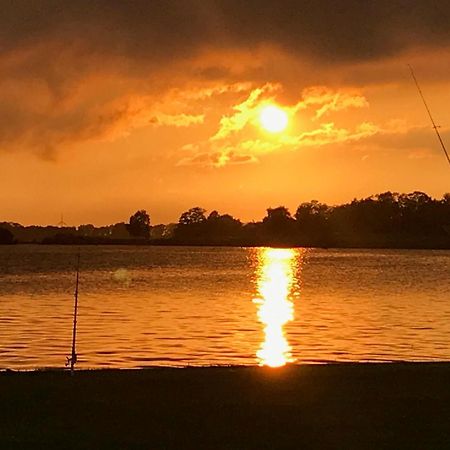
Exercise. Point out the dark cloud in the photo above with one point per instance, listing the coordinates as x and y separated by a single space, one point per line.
164 29
415 138
51 47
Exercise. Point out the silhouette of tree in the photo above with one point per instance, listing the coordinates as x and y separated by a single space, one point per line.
313 224
446 198
87 230
192 216
280 214
6 237
139 225
120 230
417 211
213 215
190 225
312 210
278 226
388 219
222 228
218 229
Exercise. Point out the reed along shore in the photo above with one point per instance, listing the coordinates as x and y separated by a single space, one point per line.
336 406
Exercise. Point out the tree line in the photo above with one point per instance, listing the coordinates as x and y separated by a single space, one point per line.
389 219
384 220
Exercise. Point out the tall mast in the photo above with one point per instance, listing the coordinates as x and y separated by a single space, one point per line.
429 114
71 360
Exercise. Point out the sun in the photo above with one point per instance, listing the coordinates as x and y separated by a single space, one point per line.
273 119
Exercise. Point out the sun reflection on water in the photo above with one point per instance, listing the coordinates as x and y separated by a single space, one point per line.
276 273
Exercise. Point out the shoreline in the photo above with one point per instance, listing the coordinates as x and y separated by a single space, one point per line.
127 243
288 366
340 405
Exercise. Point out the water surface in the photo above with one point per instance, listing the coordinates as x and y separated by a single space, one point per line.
142 306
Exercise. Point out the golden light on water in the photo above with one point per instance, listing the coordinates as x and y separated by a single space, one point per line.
275 278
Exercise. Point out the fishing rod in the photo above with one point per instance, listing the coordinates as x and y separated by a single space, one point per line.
72 359
429 114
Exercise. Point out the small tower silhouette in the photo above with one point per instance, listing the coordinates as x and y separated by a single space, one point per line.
61 223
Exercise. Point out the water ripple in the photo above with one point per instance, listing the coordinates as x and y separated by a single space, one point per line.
194 306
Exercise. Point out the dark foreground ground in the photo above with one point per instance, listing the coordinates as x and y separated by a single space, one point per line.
345 406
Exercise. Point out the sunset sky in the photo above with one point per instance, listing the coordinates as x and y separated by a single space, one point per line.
110 106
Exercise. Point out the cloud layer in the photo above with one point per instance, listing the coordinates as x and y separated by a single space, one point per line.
75 71
166 29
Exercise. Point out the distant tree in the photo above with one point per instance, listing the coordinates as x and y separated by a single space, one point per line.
222 228
157 231
6 237
191 225
192 216
312 220
213 215
139 225
119 231
86 230
279 214
312 209
278 226
386 212
195 227
388 219
446 198
418 212
169 230
253 234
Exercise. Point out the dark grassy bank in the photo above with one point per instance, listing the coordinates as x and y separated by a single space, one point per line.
346 406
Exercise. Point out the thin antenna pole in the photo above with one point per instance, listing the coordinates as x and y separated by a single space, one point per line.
73 358
61 223
429 114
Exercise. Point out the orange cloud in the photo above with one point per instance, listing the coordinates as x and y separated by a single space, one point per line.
177 120
239 133
217 159
245 112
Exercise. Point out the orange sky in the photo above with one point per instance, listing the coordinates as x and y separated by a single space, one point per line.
111 107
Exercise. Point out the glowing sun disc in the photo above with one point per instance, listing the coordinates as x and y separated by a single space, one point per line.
273 119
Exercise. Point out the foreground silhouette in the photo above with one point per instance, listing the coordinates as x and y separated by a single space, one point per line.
339 406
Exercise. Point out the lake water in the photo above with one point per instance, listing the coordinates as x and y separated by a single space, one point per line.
146 306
